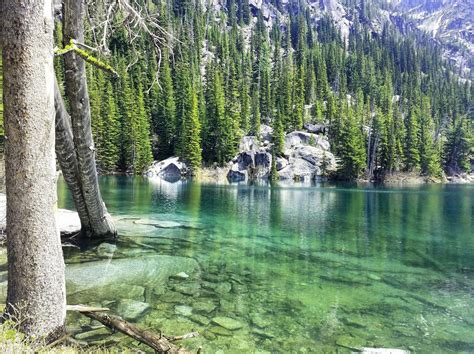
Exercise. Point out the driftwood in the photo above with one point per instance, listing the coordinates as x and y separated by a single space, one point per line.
160 343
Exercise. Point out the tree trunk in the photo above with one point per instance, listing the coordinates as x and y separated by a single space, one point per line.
66 155
101 222
36 286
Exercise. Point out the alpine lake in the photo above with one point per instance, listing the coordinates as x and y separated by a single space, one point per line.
281 269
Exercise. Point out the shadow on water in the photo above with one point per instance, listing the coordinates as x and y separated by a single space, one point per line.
283 269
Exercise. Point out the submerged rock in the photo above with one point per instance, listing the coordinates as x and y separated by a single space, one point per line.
180 276
350 342
183 310
220 331
146 271
132 310
227 323
93 334
106 249
202 320
204 306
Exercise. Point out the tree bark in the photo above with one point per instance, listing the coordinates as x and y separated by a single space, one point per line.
36 286
101 222
66 155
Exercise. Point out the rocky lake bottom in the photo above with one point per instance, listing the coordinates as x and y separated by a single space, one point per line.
300 269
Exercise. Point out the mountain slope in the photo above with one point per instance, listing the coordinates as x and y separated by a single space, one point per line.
449 21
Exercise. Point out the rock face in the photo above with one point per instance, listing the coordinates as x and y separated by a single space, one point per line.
171 169
306 157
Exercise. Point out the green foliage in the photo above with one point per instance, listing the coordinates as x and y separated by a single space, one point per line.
164 119
190 150
459 147
369 90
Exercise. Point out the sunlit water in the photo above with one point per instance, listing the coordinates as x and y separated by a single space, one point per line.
283 269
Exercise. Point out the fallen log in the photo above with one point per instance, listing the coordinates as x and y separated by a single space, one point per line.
160 343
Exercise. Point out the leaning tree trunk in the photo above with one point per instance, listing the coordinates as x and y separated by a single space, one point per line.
66 155
101 222
36 285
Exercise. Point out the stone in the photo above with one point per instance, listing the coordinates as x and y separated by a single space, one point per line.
266 132
160 224
263 160
226 306
373 277
220 331
187 289
249 143
298 169
204 306
311 154
183 310
227 323
170 169
281 163
258 321
384 351
223 288
234 175
316 128
180 276
106 249
132 310
148 271
200 319
263 334
350 342
245 160
172 297
100 332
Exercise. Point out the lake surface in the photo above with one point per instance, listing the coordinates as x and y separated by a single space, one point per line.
319 268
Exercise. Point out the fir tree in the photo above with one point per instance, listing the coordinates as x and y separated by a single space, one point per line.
190 150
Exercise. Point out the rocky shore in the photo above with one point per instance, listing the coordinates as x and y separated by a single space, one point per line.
307 157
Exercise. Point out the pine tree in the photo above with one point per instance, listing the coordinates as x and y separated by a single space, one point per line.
110 154
164 121
412 154
458 147
429 156
190 150
140 129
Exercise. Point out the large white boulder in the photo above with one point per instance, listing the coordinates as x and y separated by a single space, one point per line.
170 169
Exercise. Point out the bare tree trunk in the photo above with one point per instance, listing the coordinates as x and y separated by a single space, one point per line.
101 222
66 155
36 285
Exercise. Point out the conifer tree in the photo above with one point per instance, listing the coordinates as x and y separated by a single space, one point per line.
110 149
429 156
412 154
140 129
458 147
190 150
164 121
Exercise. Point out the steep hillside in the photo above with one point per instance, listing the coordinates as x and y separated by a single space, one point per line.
449 21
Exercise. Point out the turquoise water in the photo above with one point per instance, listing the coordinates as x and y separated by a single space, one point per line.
319 268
